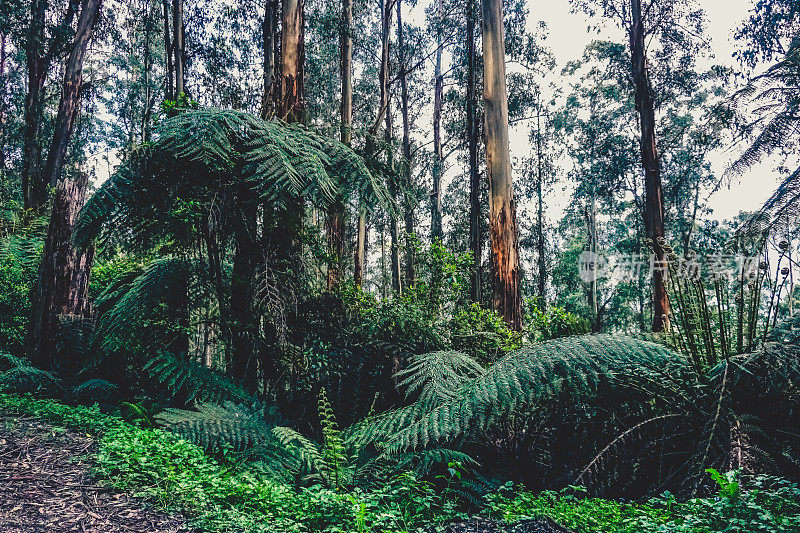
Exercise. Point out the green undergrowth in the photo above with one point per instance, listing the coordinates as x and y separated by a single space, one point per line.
176 475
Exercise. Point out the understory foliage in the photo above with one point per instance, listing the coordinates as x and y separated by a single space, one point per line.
177 475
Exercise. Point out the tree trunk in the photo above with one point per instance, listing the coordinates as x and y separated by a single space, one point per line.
361 248
69 106
502 208
346 66
169 87
542 281
337 212
740 453
291 106
63 284
406 171
370 148
3 103
268 30
33 185
475 244
654 207
438 163
393 226
243 320
178 47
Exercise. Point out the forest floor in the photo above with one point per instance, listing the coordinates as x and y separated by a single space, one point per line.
46 485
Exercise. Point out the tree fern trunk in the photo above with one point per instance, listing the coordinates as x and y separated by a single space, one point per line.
244 321
740 453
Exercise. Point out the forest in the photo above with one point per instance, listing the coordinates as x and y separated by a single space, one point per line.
346 266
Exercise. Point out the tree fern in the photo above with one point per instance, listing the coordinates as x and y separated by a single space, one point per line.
18 375
237 427
192 381
574 366
199 158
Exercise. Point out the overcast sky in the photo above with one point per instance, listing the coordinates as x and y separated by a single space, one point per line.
568 36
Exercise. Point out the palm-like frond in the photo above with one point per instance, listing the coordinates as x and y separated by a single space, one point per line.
192 381
574 366
433 377
780 210
206 158
213 427
775 100
129 305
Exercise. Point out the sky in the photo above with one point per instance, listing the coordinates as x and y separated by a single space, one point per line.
568 36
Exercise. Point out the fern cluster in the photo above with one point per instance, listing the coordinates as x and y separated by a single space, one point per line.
645 396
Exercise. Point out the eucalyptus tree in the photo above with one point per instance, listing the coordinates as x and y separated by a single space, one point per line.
502 208
673 31
48 39
63 285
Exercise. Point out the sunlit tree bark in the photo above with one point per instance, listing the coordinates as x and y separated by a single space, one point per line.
502 208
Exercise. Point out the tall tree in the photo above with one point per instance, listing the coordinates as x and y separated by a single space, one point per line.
269 28
169 70
654 204
291 105
408 199
675 29
337 211
178 47
438 156
372 133
502 207
63 285
475 244
38 63
540 239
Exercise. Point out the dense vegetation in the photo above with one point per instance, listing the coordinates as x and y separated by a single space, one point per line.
276 312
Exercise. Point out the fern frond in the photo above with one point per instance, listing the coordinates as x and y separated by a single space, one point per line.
198 157
569 367
193 381
433 377
215 427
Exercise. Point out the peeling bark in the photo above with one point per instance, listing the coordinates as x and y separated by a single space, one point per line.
502 207
291 106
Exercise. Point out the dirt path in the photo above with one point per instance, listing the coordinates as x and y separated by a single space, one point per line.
46 486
